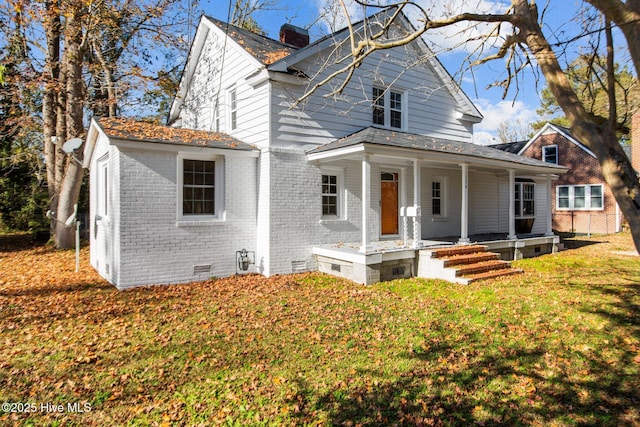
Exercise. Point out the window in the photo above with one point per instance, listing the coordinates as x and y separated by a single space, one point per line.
550 154
524 199
103 185
198 187
333 199
388 108
378 106
233 109
200 192
330 195
579 197
436 198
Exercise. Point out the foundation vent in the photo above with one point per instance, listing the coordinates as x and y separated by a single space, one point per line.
201 269
299 266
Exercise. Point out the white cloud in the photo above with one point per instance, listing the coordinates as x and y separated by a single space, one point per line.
513 113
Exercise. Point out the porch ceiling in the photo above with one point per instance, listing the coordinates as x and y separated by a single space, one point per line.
402 146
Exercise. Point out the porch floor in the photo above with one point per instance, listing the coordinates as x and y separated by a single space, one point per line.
385 246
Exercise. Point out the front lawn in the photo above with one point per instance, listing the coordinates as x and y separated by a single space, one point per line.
557 345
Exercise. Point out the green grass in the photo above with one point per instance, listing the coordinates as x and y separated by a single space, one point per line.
558 345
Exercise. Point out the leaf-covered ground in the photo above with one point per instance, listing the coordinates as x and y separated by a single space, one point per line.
558 345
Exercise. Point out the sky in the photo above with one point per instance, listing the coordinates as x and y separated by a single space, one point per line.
519 106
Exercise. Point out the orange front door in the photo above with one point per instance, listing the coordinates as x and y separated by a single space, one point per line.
389 203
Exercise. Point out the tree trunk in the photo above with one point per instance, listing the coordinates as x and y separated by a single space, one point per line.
595 133
71 183
49 101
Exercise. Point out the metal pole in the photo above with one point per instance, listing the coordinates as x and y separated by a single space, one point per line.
77 246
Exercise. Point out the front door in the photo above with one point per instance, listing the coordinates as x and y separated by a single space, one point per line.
389 203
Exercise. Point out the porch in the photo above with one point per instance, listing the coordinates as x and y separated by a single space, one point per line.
413 189
397 259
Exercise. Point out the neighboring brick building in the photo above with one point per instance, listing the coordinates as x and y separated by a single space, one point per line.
582 202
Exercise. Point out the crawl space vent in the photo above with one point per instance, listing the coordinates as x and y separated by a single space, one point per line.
201 269
298 266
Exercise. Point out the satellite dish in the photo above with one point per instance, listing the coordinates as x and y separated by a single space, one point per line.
71 145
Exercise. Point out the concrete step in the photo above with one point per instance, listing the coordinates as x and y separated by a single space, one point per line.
472 258
481 267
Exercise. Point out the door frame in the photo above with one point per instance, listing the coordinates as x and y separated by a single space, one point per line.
401 199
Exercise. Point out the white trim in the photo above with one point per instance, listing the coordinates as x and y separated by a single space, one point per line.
232 108
341 195
544 153
551 128
444 198
219 190
386 97
587 197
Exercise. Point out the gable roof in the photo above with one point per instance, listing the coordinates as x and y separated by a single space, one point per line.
280 57
263 48
468 109
553 128
387 138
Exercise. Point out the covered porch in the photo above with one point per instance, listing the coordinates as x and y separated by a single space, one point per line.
418 192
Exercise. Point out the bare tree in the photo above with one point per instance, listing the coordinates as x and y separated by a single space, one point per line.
515 35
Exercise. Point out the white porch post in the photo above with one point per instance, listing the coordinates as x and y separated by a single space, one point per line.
417 219
464 211
549 218
512 205
366 203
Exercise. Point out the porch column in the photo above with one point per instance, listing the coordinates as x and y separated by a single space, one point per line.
464 210
366 203
417 218
549 218
512 205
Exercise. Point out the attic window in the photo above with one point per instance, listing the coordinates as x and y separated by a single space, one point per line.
550 154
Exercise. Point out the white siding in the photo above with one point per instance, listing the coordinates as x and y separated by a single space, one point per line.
449 225
484 203
214 75
431 108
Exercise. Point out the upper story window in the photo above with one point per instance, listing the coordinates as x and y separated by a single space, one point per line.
550 154
579 197
388 108
233 109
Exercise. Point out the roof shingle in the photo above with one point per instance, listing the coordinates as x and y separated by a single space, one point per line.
132 130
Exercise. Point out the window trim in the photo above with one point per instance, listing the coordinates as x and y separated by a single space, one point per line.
102 202
587 196
544 154
341 196
232 100
219 189
444 185
386 106
519 209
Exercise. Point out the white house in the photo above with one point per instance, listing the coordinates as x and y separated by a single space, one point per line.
359 184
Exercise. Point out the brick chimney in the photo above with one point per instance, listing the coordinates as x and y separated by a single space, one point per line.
295 36
635 141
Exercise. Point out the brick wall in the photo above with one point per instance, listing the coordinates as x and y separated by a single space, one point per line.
154 247
635 141
583 169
